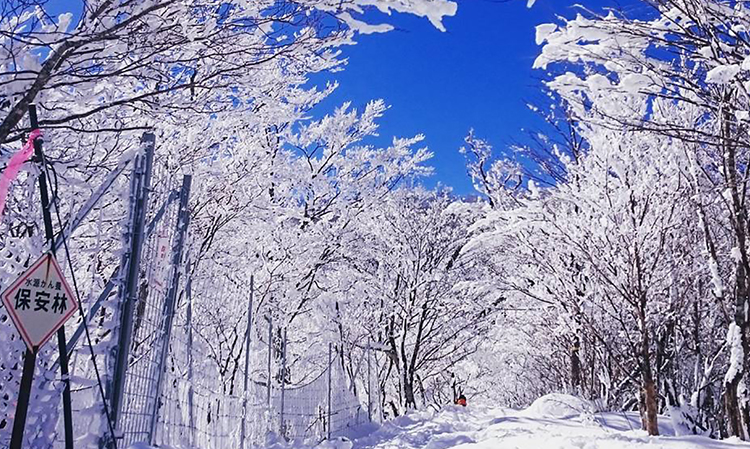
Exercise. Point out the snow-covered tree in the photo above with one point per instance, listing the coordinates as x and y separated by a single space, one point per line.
686 60
221 85
423 305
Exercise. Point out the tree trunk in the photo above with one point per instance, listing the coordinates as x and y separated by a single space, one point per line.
735 398
649 419
409 400
648 410
734 405
732 408
575 364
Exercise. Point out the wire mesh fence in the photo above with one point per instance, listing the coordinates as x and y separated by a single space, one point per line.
180 386
306 414
192 417
97 277
186 383
205 402
140 393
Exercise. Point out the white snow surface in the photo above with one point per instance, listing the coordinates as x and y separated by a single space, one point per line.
547 424
558 406
552 422
722 74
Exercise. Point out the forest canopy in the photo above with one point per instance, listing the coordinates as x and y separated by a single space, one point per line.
608 258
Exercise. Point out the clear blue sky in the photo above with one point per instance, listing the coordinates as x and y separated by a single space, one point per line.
476 75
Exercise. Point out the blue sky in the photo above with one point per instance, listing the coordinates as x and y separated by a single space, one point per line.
476 75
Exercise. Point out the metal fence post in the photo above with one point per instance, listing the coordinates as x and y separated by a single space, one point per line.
140 186
378 390
49 233
183 219
328 405
283 387
247 363
270 349
369 382
191 412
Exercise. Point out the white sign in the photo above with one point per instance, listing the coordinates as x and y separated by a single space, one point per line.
159 273
39 302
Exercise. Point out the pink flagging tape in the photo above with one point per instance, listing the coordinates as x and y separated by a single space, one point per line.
14 166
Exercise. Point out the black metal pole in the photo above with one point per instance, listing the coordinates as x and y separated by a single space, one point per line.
183 221
243 431
139 196
50 236
19 422
67 400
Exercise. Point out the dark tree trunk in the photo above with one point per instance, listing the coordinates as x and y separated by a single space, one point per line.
732 408
409 400
575 364
648 409
735 406
650 423
737 414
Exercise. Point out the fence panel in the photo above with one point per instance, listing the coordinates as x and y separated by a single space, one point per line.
197 413
191 409
186 359
139 398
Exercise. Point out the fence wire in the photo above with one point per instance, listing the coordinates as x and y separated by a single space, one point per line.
144 361
184 385
305 414
203 402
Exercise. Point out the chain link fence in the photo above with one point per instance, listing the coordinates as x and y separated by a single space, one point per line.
192 377
167 380
153 308
204 403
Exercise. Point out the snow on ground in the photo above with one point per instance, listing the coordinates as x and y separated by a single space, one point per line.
551 422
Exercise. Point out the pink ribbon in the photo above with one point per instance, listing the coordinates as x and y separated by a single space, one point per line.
14 166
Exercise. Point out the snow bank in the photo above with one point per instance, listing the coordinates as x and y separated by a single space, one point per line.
559 406
475 427
336 443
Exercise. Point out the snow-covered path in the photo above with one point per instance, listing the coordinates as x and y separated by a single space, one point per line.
491 428
552 422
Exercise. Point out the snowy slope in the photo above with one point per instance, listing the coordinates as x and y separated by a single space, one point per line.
552 422
547 424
